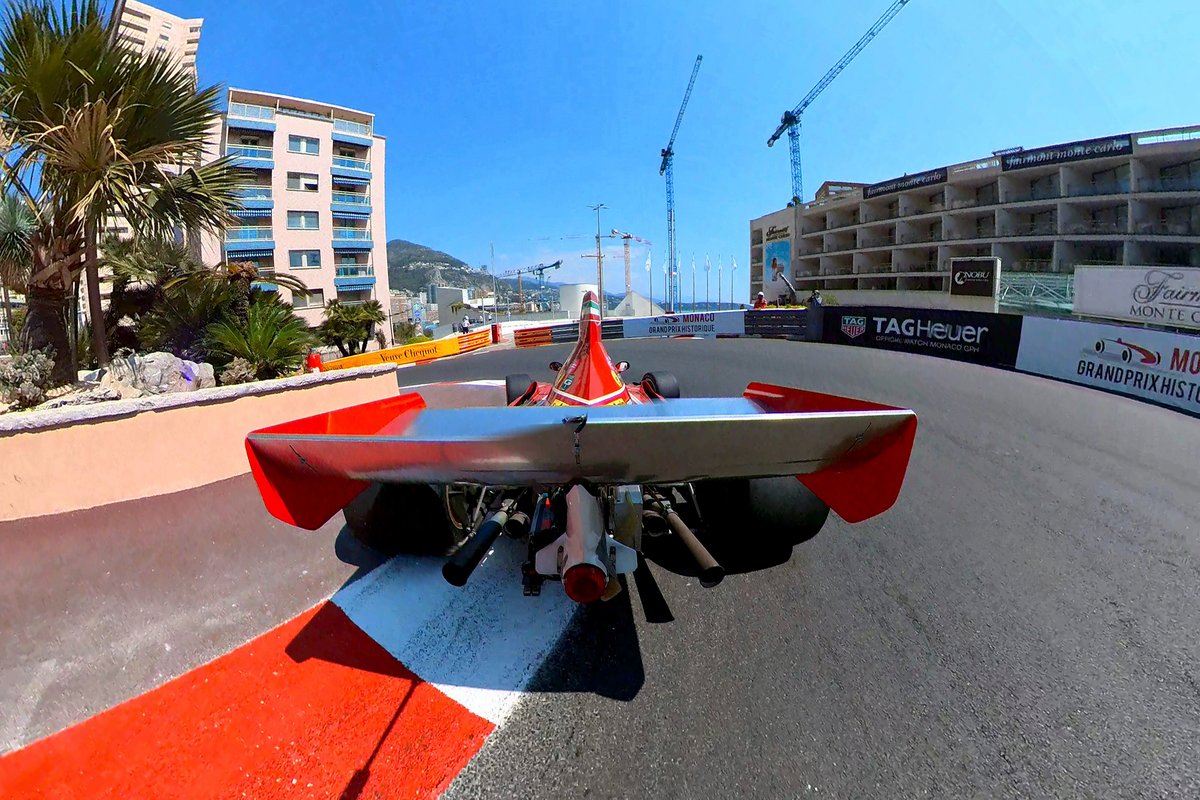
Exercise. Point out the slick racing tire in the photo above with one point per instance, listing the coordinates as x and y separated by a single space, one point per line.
661 384
393 518
781 509
515 386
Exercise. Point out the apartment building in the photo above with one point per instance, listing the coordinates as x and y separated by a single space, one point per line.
148 29
1125 199
313 198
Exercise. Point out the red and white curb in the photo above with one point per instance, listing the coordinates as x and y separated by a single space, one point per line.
387 690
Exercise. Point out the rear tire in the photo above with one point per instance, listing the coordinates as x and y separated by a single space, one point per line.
661 384
780 509
393 518
515 386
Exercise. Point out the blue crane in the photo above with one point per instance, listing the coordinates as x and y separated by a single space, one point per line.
791 119
667 167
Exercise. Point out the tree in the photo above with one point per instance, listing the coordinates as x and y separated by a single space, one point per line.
274 340
240 276
140 268
17 227
91 130
350 327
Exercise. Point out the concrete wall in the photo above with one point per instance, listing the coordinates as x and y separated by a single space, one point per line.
886 297
75 458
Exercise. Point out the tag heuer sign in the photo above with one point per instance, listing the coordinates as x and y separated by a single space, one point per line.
854 326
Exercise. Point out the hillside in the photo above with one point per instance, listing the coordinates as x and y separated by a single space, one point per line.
413 267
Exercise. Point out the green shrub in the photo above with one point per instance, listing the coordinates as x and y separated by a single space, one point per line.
25 379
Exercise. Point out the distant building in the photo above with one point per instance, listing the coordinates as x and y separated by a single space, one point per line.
147 29
1124 199
313 197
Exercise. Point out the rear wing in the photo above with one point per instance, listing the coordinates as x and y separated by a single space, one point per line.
850 453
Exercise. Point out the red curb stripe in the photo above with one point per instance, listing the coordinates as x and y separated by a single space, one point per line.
313 708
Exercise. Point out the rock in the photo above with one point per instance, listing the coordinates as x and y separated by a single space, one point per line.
101 394
159 373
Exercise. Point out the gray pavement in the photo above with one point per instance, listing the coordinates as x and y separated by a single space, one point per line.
1022 624
104 604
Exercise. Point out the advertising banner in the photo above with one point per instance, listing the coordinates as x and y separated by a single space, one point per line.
1152 365
708 325
922 179
777 262
974 277
1167 296
405 354
977 337
1062 153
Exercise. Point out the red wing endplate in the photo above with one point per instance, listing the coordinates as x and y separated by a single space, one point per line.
865 481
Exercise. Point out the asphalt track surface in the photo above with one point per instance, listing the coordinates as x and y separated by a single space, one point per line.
1021 624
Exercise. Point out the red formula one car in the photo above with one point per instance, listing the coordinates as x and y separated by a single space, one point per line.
582 469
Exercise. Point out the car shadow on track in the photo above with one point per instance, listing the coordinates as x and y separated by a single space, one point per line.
599 653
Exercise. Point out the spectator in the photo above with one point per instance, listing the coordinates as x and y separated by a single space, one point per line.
760 301
814 299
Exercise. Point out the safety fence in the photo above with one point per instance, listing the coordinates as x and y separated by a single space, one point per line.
418 353
1157 366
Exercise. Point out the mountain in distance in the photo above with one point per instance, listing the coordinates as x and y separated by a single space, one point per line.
412 267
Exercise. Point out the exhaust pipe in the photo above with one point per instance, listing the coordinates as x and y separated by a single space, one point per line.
711 572
458 569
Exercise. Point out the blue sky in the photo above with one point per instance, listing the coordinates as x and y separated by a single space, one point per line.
506 121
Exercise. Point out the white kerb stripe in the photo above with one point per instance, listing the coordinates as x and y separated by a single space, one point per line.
480 644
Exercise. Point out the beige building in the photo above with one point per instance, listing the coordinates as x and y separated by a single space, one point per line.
1124 199
313 198
147 29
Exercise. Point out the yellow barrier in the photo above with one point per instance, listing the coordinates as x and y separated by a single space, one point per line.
415 353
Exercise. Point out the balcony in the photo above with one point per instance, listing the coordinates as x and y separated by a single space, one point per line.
351 203
351 239
1095 227
1098 188
1031 229
251 117
354 276
1168 229
248 234
1181 184
348 132
256 198
251 157
347 167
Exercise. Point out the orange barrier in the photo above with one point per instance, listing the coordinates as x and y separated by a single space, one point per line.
418 353
532 337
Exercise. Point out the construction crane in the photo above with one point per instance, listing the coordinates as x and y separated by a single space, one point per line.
667 168
790 121
627 237
540 269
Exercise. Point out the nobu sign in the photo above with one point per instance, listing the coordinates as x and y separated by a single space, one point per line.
973 277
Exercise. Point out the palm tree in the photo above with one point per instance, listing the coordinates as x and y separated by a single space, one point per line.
94 130
17 227
349 327
140 268
274 340
240 276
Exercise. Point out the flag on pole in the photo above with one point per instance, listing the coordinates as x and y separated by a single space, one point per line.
647 261
707 263
693 263
666 264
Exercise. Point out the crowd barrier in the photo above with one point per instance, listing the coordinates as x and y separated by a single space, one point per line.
1152 365
418 353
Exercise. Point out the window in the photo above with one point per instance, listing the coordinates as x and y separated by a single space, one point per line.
304 144
162 37
301 182
251 141
302 220
314 300
305 259
344 153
